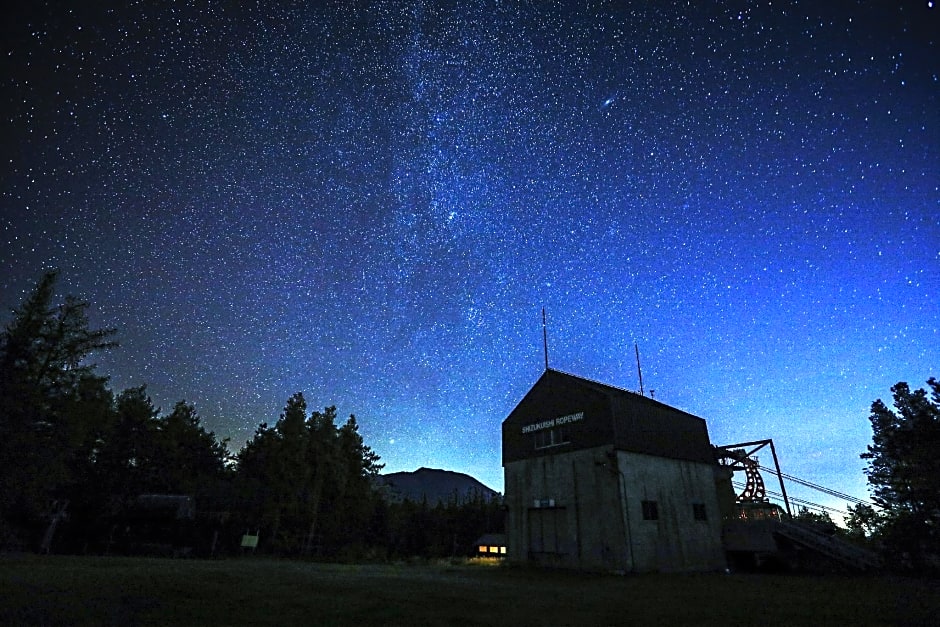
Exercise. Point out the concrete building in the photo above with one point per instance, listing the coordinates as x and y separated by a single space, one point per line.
600 478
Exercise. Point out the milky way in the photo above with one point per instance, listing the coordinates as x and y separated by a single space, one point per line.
372 202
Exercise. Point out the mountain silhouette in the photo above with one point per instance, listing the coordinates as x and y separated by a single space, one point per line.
435 485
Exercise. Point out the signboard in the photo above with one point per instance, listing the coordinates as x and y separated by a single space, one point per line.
554 422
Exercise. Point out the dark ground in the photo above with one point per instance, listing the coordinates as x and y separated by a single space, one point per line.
62 590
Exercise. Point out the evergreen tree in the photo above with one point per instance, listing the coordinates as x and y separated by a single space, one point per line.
354 468
904 471
322 450
311 481
94 411
277 464
254 463
50 401
127 465
294 473
188 458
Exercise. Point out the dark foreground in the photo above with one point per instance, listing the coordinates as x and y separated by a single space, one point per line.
61 590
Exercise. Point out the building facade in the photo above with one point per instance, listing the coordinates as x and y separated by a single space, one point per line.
600 478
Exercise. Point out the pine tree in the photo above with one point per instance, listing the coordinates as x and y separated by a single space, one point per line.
312 481
128 462
50 400
904 469
187 455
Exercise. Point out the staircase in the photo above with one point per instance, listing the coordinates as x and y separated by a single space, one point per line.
831 546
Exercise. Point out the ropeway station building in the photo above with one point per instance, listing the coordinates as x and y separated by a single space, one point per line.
600 478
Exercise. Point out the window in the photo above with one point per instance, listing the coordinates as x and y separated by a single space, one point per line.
550 437
650 510
698 511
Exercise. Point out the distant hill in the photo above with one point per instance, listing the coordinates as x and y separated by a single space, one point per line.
438 486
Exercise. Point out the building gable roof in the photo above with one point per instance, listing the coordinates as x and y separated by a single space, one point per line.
614 416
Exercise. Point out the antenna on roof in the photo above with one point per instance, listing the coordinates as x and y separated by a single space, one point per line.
545 337
638 370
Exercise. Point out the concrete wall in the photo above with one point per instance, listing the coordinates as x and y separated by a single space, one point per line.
581 494
568 510
676 541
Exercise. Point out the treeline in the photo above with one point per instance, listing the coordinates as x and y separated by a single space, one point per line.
79 466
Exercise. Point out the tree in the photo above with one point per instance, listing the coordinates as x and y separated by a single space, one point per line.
277 466
904 470
187 456
322 451
44 347
354 467
804 514
50 400
255 463
308 481
127 465
863 522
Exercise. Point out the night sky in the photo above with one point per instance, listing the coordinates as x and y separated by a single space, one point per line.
372 202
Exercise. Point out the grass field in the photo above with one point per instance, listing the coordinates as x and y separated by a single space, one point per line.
61 590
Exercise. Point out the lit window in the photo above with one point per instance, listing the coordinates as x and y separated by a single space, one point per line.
502 550
494 549
650 510
482 549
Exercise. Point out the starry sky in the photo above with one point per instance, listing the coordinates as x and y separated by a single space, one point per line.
371 203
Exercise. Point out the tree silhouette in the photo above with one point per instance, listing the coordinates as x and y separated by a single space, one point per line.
904 471
307 481
188 456
51 401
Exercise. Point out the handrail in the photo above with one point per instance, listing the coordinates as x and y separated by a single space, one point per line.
832 546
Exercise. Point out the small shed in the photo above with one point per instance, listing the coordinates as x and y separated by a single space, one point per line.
491 545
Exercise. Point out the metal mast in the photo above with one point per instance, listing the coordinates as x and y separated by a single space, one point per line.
639 371
545 337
